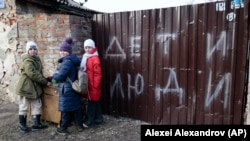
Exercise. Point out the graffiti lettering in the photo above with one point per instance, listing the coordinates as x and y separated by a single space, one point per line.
172 79
138 86
226 79
114 43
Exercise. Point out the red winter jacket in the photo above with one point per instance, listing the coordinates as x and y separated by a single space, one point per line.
94 72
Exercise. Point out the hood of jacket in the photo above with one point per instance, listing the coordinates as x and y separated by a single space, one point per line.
27 56
74 59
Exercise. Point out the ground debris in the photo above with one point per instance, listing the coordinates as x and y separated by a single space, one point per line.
113 129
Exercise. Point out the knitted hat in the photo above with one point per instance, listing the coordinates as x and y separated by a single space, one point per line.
66 45
31 44
89 43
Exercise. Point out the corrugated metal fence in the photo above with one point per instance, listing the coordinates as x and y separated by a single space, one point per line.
181 65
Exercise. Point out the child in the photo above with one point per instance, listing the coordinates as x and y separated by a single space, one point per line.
29 87
69 100
92 66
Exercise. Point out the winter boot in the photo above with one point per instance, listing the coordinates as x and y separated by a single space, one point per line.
22 123
62 130
36 124
80 128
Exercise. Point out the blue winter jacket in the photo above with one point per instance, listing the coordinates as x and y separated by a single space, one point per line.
69 100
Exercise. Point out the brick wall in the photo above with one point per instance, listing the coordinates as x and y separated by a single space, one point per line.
23 22
49 31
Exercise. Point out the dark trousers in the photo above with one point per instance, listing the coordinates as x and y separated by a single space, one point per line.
94 113
67 118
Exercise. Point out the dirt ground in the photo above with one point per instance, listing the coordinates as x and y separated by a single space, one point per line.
114 129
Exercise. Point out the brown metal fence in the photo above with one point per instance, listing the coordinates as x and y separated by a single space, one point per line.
180 65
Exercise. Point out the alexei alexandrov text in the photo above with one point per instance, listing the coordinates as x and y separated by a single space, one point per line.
183 132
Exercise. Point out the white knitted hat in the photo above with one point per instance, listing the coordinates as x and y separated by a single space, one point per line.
89 42
30 44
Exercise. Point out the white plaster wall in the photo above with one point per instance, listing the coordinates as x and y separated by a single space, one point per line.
8 48
247 110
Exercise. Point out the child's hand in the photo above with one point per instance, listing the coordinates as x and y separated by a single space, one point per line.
49 79
49 84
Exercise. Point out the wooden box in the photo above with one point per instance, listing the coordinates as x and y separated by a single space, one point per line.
50 105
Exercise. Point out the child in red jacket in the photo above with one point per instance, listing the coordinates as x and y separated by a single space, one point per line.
91 64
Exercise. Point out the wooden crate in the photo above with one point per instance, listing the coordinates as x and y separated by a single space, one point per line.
50 105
